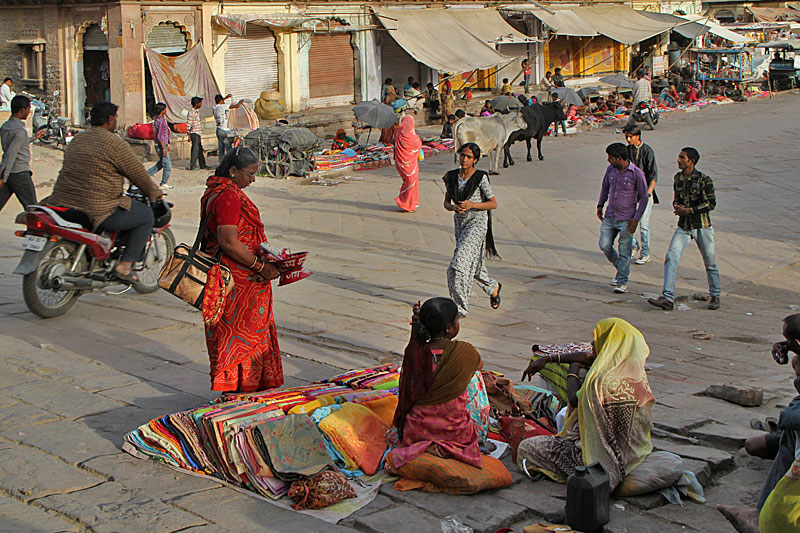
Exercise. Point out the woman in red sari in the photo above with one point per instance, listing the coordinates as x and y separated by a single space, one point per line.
243 345
407 145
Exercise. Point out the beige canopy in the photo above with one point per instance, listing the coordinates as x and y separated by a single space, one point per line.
451 40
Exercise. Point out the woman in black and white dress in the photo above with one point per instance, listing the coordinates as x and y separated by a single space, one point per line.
469 195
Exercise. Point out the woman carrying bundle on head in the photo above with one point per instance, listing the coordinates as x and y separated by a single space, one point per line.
443 411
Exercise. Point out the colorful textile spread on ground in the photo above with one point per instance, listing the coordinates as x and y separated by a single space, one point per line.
275 443
263 442
371 156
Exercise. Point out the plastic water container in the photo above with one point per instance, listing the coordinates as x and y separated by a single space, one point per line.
588 498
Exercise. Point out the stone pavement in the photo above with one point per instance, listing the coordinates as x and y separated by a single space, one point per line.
71 387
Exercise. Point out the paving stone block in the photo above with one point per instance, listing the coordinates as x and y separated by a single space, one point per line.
242 513
399 519
544 498
692 517
718 460
21 415
16 516
111 507
144 475
28 473
724 435
482 511
10 376
62 399
72 441
679 421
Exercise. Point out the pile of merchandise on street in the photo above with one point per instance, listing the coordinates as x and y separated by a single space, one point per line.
319 448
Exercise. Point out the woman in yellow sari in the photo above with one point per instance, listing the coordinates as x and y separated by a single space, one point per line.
612 420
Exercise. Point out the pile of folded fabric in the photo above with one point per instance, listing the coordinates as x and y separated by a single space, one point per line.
305 447
271 441
358 158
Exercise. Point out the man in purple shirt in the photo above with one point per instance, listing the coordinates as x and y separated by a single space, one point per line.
162 145
625 189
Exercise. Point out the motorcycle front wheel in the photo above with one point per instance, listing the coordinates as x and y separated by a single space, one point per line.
57 260
159 251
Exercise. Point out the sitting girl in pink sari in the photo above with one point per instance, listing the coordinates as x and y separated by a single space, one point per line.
443 412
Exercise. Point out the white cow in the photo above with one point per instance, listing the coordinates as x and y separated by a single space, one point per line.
489 133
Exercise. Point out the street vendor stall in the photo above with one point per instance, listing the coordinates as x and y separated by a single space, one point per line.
722 71
782 69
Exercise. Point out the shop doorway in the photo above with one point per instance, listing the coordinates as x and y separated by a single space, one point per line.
96 74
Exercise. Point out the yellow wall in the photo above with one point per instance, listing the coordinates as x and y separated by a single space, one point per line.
585 56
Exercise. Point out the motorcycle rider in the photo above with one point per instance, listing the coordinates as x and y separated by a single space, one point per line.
642 93
92 180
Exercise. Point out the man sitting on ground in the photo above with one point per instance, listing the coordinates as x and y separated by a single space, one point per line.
772 509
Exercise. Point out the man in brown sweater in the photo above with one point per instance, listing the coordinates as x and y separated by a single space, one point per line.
92 180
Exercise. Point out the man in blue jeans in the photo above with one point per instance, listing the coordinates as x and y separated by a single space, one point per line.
693 203
625 189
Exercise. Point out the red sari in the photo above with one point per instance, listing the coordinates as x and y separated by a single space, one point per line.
407 145
243 345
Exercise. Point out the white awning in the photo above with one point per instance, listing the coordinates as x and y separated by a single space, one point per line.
623 24
620 23
718 30
489 25
564 22
436 38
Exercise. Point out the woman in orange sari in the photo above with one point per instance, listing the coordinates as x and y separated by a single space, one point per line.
407 145
243 345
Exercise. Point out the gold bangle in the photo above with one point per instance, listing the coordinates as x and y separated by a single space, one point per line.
574 376
253 264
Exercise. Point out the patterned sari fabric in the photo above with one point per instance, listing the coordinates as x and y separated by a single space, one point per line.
407 145
612 422
293 446
243 345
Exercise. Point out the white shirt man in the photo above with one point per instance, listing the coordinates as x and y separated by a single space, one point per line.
6 94
220 110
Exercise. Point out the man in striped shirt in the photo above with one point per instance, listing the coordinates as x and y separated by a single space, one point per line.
693 203
195 130
162 145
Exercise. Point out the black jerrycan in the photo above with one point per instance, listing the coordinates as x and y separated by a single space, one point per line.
588 498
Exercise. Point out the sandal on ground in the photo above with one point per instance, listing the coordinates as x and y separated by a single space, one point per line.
127 278
495 300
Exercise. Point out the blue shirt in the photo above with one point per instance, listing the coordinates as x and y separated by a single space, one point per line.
624 190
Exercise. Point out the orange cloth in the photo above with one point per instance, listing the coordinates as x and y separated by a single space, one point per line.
430 473
384 408
358 433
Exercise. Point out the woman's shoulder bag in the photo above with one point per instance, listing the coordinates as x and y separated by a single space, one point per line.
191 274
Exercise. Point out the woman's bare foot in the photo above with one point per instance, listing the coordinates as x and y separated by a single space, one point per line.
742 520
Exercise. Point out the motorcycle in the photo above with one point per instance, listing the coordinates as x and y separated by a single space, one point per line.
65 259
644 112
57 128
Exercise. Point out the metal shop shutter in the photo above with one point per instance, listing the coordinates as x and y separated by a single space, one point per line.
518 50
251 63
397 64
331 70
166 38
95 39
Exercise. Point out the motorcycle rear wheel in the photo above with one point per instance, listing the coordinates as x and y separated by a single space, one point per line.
148 276
45 302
